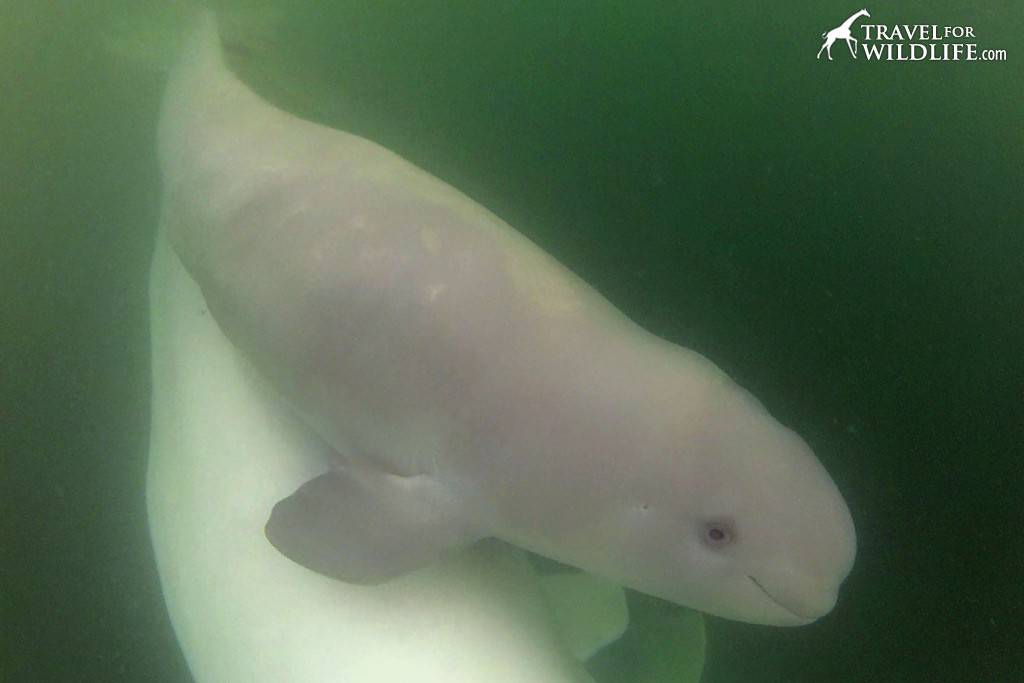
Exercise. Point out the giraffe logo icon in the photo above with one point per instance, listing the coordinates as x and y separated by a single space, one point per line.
842 32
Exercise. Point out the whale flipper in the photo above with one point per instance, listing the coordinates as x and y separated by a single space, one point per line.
367 526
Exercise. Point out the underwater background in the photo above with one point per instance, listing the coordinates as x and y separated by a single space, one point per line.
845 238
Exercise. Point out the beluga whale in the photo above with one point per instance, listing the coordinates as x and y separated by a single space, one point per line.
467 385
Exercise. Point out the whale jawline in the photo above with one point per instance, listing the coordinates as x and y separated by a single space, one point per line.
771 597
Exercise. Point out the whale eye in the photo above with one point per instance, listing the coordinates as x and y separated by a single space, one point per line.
717 534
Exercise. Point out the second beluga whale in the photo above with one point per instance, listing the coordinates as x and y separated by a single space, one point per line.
468 384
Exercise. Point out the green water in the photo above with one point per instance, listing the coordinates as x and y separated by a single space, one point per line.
843 237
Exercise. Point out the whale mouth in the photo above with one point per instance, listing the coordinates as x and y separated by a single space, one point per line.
794 612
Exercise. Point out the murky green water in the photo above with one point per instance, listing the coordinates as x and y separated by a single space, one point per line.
844 237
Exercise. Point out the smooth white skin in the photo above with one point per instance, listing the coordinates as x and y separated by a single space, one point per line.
418 333
223 450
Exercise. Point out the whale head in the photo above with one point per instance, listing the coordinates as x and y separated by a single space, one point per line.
735 516
681 485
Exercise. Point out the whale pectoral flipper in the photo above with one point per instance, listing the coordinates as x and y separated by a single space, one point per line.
368 526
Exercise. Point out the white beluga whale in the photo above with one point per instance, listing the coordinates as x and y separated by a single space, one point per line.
464 385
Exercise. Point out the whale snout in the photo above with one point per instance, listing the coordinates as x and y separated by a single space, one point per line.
804 599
